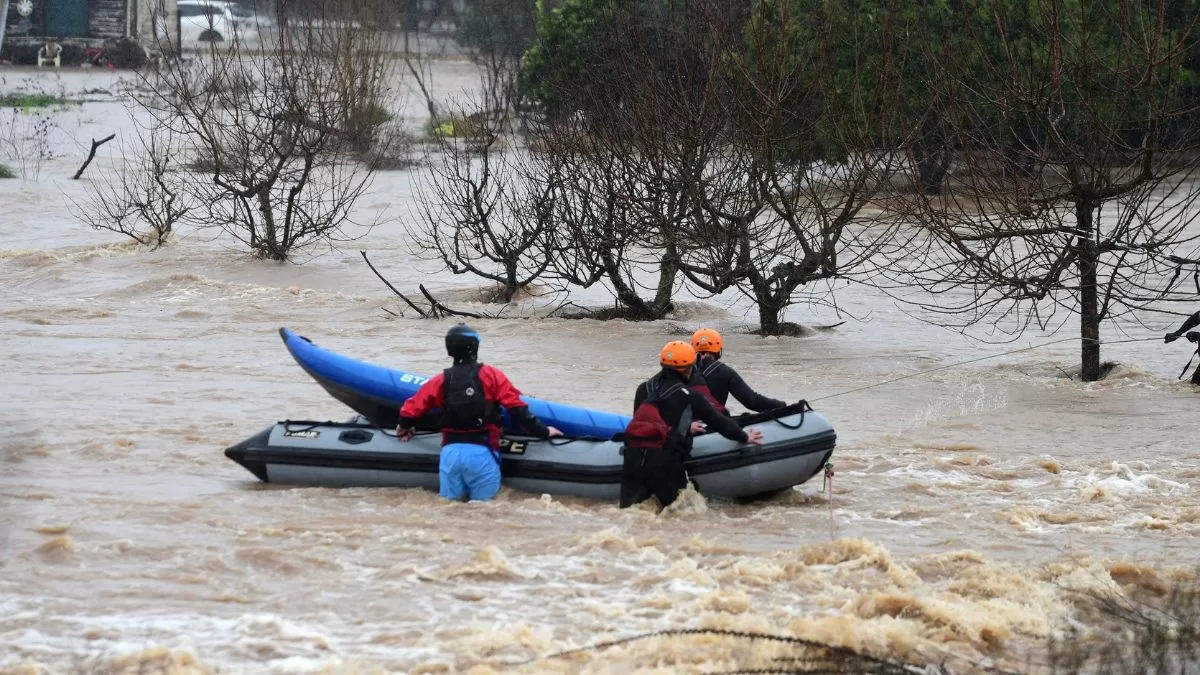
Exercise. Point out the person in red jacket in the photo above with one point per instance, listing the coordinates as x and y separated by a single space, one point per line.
469 395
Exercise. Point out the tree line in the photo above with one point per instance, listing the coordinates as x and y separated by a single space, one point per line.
1015 163
1025 163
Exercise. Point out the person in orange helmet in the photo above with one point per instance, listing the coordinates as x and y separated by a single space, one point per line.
717 379
666 414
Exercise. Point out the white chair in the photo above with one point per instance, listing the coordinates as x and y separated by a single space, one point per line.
51 52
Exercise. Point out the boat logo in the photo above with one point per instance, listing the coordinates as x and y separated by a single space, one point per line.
300 433
512 447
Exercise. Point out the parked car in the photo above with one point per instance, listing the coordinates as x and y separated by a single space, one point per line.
203 21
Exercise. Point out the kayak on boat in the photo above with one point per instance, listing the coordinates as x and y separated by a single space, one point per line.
377 392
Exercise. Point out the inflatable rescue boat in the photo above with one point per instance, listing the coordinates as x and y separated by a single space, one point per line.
797 444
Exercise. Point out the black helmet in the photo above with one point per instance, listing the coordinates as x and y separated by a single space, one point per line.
462 342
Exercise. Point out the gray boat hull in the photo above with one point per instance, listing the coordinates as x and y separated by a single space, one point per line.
797 444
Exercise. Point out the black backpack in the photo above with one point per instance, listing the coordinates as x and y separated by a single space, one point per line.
466 407
649 431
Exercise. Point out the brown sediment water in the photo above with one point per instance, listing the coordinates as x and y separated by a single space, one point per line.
970 505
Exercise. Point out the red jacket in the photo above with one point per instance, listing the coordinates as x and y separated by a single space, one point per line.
496 388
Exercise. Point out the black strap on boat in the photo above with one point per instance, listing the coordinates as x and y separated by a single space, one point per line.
287 425
563 440
802 407
392 432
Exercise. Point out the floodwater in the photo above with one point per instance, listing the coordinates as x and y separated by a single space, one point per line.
970 505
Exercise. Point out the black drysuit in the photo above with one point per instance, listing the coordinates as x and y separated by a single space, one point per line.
660 472
1190 323
722 380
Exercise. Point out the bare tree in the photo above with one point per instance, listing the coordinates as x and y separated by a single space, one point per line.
623 171
496 34
1075 188
419 44
704 163
144 197
600 200
275 127
480 212
786 197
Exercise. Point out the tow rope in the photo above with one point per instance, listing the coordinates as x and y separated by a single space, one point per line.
975 360
827 484
1189 363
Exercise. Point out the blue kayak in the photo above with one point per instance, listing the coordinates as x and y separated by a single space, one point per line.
376 392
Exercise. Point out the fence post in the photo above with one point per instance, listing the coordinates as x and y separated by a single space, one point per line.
3 22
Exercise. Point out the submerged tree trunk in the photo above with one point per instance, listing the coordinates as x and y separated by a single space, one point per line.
666 281
627 295
769 312
1089 300
771 303
932 153
508 290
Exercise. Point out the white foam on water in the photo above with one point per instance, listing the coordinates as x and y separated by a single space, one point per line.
1123 481
130 371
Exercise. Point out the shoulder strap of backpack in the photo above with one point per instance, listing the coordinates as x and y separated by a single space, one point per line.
684 428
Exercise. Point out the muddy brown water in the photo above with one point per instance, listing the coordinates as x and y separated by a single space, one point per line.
969 507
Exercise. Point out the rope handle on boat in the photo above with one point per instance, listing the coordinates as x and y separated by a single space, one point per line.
804 408
288 424
392 432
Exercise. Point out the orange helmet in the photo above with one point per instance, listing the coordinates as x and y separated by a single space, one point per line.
678 354
707 340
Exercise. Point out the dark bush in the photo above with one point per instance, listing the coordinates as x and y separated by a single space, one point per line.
125 53
392 148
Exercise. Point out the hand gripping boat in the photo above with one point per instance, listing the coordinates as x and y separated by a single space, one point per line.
376 392
797 443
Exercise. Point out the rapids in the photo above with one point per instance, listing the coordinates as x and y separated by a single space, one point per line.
969 504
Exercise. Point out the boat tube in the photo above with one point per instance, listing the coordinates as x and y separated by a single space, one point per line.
797 444
376 392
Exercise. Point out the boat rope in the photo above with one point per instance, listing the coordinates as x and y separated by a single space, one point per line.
861 661
1189 363
827 483
803 406
288 424
564 439
975 360
392 432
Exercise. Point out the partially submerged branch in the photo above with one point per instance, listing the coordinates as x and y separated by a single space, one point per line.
92 154
436 309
